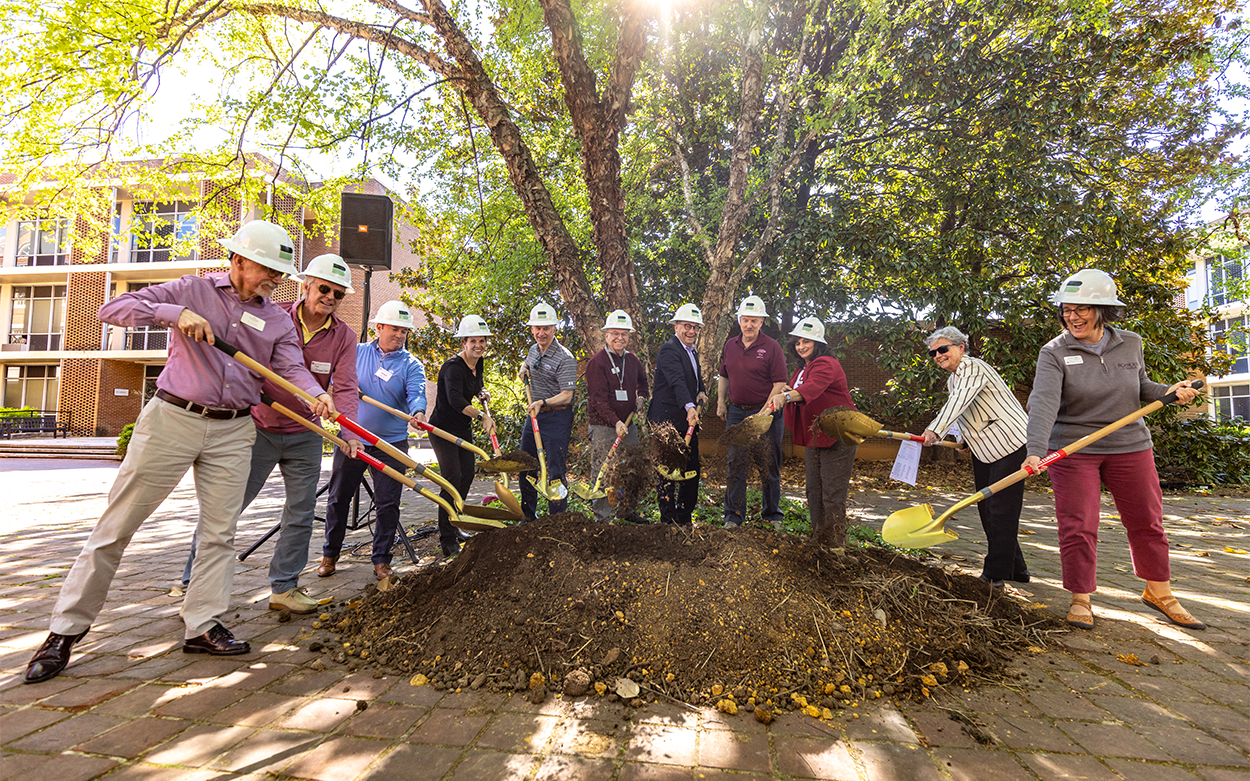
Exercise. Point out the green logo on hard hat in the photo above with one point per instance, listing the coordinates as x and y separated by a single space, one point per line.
340 271
1072 286
807 326
285 252
694 310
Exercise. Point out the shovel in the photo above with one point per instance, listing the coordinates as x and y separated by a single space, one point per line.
340 418
438 432
550 493
677 475
915 527
590 493
469 524
750 429
501 484
851 427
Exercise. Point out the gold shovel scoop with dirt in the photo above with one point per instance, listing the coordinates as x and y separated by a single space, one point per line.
552 493
590 493
749 430
852 427
678 475
915 527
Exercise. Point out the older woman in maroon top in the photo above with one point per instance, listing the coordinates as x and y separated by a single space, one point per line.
818 384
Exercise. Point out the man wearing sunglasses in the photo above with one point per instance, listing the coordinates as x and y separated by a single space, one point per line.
330 354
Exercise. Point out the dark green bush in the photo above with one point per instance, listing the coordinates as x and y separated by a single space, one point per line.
123 439
1201 451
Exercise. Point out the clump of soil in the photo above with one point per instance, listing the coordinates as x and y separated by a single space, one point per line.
749 617
631 476
668 448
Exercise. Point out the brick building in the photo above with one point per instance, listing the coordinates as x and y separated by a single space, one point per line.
54 352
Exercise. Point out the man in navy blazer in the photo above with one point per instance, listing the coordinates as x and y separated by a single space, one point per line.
678 393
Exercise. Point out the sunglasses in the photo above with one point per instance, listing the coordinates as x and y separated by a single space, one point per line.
936 351
338 294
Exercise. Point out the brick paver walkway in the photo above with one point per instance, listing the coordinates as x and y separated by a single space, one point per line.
132 705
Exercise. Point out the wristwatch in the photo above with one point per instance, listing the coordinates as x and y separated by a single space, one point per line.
787 395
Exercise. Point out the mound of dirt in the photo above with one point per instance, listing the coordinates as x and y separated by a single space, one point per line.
736 618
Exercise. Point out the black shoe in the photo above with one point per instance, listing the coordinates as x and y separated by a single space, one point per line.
217 642
993 583
1021 578
450 548
51 657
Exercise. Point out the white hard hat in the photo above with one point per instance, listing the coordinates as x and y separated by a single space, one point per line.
688 313
393 313
1088 286
618 320
331 268
472 325
543 314
752 306
267 244
810 328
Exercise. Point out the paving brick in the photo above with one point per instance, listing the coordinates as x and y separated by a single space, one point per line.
266 751
471 700
403 693
734 751
25 694
68 733
1162 689
670 715
198 745
257 710
1031 734
1065 705
21 765
588 738
890 760
17 723
401 764
254 676
556 768
518 732
305 683
92 666
1147 771
881 723
714 774
199 703
745 721
980 765
480 765
1223 691
133 738
320 715
939 729
1111 740
142 772
1058 767
203 671
383 720
336 759
1136 710
449 728
1194 747
64 767
640 771
1237 737
814 758
1223 774
664 745
799 724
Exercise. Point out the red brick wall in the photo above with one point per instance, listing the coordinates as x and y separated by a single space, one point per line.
117 411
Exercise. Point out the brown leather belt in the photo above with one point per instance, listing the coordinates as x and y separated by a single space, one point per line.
199 409
550 408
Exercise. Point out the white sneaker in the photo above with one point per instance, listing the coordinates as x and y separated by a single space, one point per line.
294 600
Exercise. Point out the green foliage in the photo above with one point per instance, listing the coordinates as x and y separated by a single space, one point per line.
17 412
123 439
1200 451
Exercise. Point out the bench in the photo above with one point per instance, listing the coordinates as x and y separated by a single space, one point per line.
34 422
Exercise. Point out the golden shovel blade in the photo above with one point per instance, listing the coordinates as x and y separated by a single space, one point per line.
675 475
476 524
509 462
549 491
586 492
848 426
747 431
481 511
915 527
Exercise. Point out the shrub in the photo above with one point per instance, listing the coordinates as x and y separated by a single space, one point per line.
1201 450
123 439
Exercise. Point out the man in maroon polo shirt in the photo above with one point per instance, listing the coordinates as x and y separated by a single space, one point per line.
752 370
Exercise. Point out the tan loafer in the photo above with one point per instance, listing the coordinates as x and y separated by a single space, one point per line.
326 568
294 600
1080 614
1169 607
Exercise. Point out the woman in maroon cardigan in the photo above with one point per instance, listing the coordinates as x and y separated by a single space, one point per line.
817 385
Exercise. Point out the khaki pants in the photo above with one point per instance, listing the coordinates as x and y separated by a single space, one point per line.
166 442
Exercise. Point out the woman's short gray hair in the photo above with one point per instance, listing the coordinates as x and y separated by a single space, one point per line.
950 333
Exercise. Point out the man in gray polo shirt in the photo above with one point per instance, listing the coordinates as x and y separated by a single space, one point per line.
552 373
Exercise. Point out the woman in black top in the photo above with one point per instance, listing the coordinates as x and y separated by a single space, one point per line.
459 383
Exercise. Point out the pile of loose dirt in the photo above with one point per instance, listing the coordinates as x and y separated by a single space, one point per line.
746 618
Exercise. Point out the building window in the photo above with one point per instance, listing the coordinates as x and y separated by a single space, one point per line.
145 337
1222 272
42 242
31 386
38 316
150 373
1236 335
163 231
1232 401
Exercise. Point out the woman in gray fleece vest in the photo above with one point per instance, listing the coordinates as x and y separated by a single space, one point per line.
1089 376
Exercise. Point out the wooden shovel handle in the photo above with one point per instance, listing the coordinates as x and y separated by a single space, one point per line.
435 430
914 438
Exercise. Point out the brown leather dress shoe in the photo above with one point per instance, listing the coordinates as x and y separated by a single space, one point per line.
216 642
51 657
326 568
1169 607
383 571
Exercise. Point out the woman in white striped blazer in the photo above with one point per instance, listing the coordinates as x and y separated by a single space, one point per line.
993 425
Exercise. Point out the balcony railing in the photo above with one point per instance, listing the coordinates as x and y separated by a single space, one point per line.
145 339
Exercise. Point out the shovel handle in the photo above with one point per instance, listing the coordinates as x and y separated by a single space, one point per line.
494 440
915 438
538 439
436 431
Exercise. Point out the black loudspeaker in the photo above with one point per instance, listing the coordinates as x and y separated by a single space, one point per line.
365 230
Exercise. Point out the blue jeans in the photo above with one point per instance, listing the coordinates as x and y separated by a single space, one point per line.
345 478
767 456
298 457
555 427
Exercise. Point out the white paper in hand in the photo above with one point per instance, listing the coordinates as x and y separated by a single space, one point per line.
906 463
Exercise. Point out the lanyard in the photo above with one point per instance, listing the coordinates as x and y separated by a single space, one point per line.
618 371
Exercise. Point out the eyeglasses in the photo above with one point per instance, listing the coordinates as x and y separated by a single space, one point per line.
273 273
1076 311
338 294
936 351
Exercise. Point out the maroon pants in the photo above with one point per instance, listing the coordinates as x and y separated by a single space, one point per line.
1134 485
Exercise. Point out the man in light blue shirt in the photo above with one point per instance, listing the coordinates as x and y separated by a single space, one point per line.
388 373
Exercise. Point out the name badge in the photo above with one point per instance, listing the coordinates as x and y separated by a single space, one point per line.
383 374
622 395
252 320
1073 360
320 367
